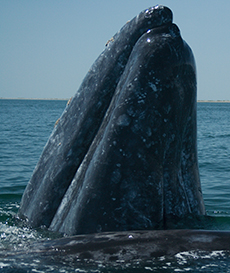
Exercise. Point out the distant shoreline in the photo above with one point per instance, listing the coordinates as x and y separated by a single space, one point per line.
211 101
215 101
32 99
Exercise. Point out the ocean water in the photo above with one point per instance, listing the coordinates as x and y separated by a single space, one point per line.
25 126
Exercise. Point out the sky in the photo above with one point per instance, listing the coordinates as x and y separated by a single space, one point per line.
47 46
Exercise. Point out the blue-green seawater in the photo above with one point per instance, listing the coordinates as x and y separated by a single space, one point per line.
25 126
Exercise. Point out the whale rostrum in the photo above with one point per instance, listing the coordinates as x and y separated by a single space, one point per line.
123 155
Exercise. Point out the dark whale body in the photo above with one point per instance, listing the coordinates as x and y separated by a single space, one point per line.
123 248
124 154
138 171
143 245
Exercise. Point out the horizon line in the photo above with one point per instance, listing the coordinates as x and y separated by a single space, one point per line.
3 98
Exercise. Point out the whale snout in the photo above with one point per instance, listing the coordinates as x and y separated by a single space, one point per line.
160 15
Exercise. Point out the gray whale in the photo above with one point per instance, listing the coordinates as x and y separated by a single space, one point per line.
122 248
123 155
129 245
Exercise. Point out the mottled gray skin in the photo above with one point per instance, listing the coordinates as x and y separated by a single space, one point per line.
80 121
141 170
130 245
123 248
124 154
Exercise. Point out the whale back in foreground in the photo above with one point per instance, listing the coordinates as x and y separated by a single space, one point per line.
118 249
124 153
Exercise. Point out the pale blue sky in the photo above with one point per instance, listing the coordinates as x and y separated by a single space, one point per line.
47 46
